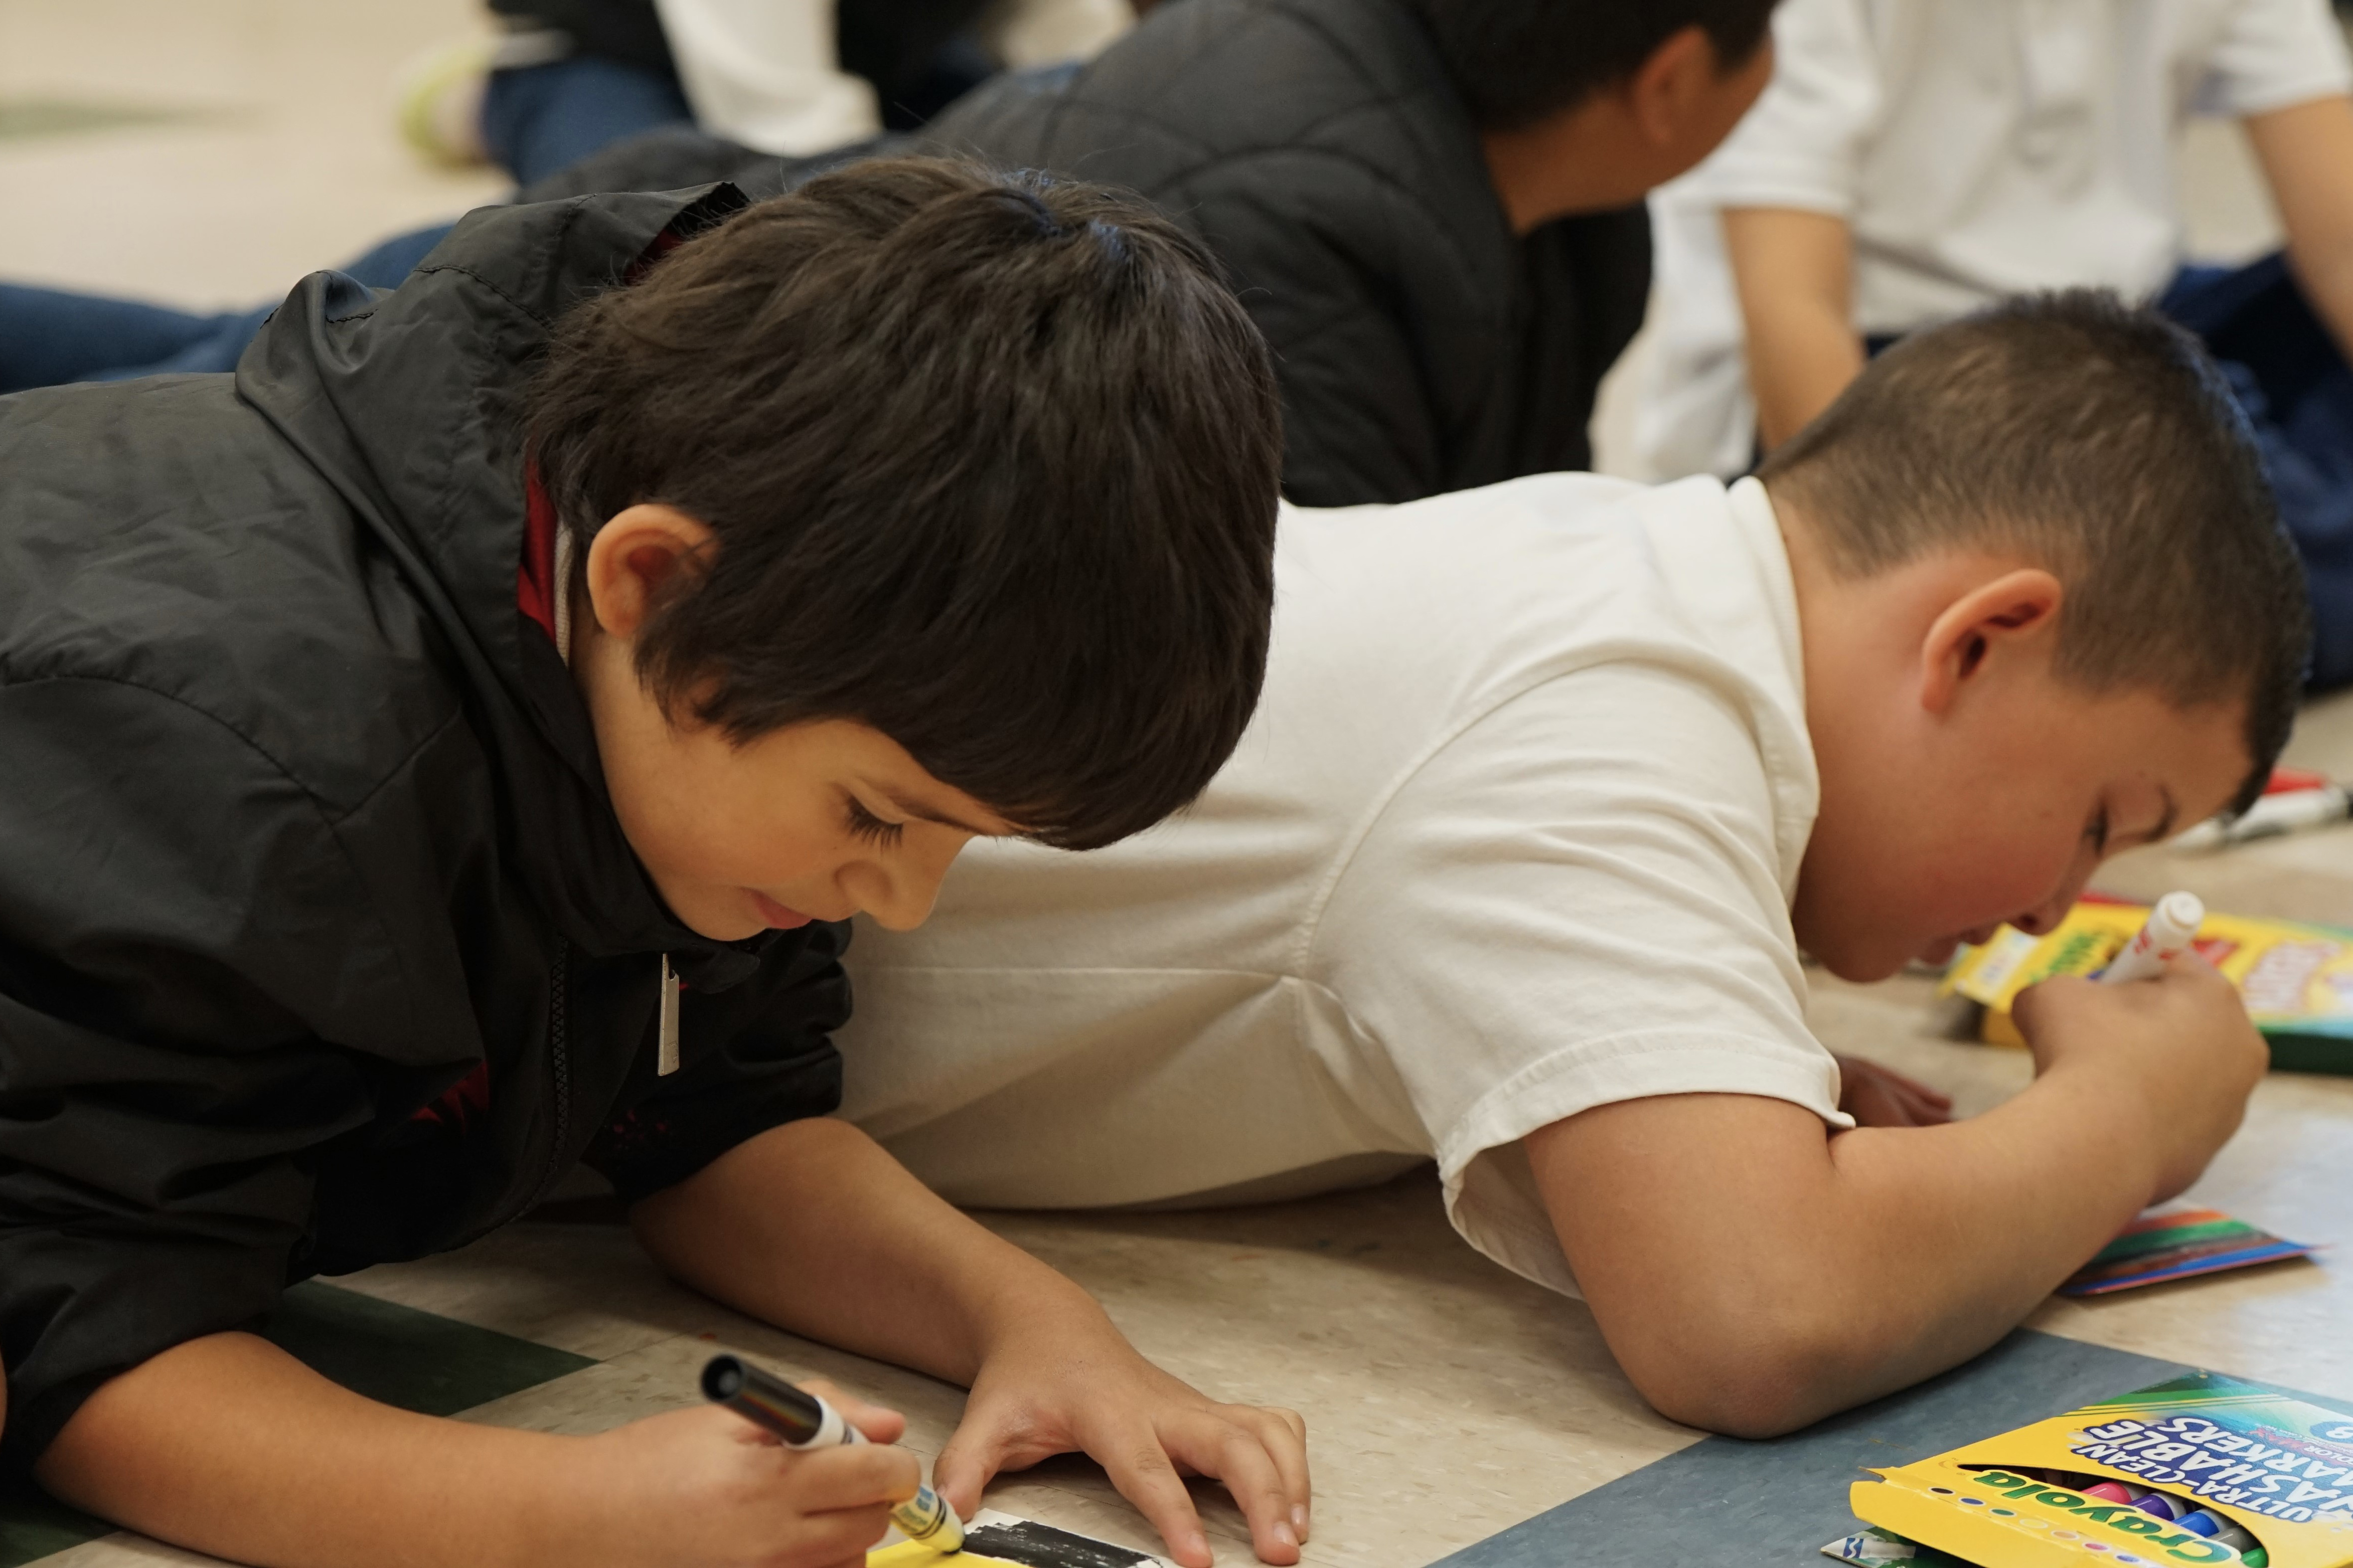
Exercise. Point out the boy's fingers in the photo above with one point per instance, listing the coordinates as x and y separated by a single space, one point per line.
1284 1435
878 1422
1915 1089
1239 1456
970 1461
866 1475
841 1534
1140 1468
1924 1106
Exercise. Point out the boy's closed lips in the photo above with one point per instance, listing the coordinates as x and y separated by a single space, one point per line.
778 917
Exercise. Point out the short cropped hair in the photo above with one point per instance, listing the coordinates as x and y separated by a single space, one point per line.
1521 61
2100 441
992 461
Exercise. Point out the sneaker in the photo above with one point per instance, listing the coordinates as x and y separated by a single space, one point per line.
441 102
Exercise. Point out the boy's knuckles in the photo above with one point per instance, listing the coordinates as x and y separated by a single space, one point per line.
861 1475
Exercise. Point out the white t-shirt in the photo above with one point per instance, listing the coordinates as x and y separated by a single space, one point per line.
767 72
1976 149
1513 835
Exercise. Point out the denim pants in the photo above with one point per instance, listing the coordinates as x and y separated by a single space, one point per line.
535 121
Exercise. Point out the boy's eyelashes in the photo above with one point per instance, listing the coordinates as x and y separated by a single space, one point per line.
865 824
2097 833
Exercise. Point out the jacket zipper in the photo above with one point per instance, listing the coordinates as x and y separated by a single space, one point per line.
559 1061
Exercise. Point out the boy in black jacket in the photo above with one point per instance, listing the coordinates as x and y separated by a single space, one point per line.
443 754
1433 208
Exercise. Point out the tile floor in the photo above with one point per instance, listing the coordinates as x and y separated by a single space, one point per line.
208 152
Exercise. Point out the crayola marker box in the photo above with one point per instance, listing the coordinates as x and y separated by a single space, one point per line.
2200 1469
2297 979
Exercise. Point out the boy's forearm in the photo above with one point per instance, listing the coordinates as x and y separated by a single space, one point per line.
228 1445
2306 153
1794 270
1753 1276
814 1227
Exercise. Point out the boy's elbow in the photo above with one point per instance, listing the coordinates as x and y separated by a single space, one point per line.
1755 1374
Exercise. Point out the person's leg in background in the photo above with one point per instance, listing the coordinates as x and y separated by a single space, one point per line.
2297 392
539 118
50 336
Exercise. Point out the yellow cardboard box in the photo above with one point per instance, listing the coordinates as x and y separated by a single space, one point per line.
2297 979
2276 1465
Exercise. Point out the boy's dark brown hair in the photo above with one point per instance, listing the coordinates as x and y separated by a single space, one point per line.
2100 441
992 463
1520 61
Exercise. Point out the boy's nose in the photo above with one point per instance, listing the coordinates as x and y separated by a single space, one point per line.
901 897
2045 917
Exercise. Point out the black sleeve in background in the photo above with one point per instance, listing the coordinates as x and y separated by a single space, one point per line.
171 910
1360 420
754 1057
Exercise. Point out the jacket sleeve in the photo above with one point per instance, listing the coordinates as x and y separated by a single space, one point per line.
165 895
755 1057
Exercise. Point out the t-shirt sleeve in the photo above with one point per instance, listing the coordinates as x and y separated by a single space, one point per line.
2273 54
754 1057
160 1084
1576 900
1802 144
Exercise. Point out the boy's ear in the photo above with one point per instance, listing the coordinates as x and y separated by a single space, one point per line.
633 556
1665 90
2016 610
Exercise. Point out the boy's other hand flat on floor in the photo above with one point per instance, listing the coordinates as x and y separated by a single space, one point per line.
2180 1045
1878 1095
705 1487
1076 1384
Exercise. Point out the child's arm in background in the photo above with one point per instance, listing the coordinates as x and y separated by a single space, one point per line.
812 1227
2306 153
1794 274
228 1445
1753 1275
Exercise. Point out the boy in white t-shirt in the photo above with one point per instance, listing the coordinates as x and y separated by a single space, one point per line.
1915 159
1551 784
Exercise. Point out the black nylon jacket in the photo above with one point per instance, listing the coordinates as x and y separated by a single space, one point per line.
1319 148
301 821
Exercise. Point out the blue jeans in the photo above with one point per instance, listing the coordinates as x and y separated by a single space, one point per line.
535 122
49 336
542 119
2297 392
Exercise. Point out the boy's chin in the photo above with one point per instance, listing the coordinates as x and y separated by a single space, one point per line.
1862 962
1940 951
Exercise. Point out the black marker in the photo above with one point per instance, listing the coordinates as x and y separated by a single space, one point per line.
805 1421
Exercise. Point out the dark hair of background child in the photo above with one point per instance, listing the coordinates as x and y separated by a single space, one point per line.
992 463
1516 62
2103 442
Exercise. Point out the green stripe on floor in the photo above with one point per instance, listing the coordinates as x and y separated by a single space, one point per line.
29 117
417 1361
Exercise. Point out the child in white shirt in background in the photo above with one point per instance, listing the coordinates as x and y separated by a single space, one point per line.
1915 159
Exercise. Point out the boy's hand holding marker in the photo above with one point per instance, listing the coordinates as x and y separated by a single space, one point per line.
1261 1453
705 1487
2161 1028
804 1420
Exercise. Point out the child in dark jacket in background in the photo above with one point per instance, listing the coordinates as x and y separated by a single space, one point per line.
1433 208
443 754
